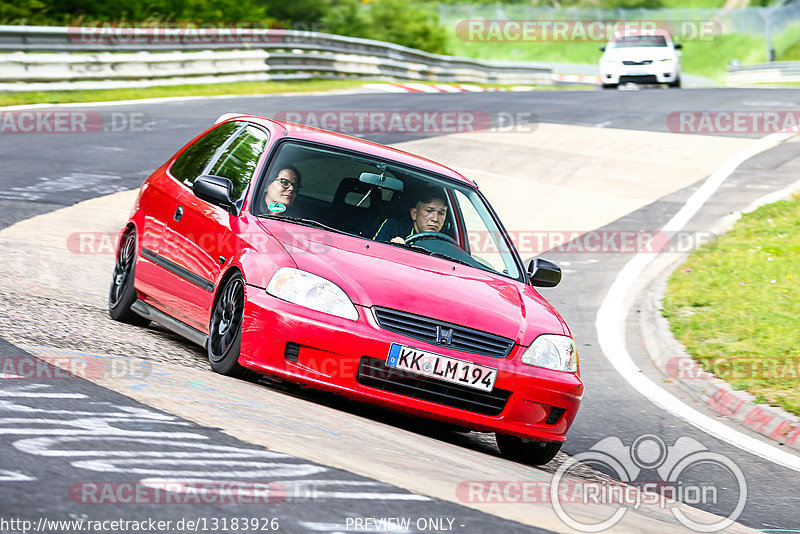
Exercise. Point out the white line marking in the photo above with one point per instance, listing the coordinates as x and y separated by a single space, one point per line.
202 468
610 322
14 476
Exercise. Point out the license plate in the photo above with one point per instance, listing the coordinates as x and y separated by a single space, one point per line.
637 72
441 367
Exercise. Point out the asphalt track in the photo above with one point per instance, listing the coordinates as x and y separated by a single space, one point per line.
44 172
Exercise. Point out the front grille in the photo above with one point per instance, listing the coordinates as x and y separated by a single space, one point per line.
373 372
645 62
648 78
463 339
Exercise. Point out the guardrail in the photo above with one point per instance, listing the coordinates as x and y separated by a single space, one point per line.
775 72
44 57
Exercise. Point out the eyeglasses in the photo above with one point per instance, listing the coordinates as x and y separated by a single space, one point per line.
286 184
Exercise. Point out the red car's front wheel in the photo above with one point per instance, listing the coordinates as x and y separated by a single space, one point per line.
225 330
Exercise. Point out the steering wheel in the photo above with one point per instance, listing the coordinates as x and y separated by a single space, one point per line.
434 235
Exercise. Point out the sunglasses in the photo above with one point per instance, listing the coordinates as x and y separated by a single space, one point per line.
286 184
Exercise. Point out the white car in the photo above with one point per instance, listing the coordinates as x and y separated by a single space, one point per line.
646 57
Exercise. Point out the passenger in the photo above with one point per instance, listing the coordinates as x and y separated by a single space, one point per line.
427 215
283 189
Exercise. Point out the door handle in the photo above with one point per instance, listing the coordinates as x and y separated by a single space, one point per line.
178 214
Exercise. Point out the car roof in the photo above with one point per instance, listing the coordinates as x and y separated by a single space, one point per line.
302 132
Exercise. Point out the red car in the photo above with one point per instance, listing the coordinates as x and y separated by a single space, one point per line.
272 245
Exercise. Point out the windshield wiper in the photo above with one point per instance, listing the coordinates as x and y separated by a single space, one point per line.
308 222
421 250
446 257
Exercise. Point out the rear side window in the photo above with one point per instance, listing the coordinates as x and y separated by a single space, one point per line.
239 159
194 160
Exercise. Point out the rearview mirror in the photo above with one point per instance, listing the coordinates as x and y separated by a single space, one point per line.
215 190
381 180
543 273
603 48
678 46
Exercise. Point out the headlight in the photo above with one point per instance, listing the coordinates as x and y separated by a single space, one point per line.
311 291
552 351
663 60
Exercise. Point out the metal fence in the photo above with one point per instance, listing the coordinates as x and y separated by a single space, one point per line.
84 57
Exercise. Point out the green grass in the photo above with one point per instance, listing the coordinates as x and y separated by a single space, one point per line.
711 58
703 58
692 4
735 304
792 53
787 46
244 88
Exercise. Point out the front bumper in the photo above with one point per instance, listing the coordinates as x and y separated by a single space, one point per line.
326 352
617 73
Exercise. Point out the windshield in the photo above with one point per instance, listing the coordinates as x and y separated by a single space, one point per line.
638 41
384 201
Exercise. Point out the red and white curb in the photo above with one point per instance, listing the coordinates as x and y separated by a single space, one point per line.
577 78
613 312
439 88
670 357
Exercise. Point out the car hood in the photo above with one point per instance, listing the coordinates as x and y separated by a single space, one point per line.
639 54
378 274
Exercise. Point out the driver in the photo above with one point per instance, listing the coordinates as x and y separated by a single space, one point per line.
427 215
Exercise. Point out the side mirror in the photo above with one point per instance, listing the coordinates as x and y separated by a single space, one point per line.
543 273
603 48
678 46
215 190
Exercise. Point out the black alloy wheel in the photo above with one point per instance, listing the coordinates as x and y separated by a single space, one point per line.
225 330
122 293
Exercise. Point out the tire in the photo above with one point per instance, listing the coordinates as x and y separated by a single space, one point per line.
610 86
527 451
676 84
225 330
122 294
